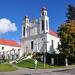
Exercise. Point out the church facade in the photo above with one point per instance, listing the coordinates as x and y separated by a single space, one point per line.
37 35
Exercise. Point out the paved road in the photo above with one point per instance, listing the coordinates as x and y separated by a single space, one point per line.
29 72
63 72
53 73
72 71
24 71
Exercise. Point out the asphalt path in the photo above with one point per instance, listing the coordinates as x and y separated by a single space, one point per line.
24 71
62 72
71 71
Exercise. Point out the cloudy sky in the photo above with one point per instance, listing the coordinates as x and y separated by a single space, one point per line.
12 14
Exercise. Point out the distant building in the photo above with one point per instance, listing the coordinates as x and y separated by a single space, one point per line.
9 49
37 36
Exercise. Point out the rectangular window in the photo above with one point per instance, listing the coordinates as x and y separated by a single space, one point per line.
24 31
43 24
52 42
18 49
31 44
2 48
12 48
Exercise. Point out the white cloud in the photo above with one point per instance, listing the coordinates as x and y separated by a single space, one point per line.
7 26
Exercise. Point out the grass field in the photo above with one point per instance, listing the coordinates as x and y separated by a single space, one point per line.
6 68
30 64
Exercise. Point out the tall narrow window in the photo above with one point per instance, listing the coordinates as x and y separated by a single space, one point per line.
43 24
42 13
2 48
31 44
52 43
12 48
24 31
46 24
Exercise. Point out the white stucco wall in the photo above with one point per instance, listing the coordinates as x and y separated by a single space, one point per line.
42 43
56 40
10 50
38 43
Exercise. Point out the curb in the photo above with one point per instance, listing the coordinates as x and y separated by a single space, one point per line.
54 70
61 70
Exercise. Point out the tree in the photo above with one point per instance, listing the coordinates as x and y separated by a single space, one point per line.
70 13
67 37
66 33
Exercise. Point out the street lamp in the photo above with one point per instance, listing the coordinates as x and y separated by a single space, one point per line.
26 50
45 50
37 45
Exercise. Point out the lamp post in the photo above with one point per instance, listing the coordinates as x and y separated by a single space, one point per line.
37 45
44 58
45 50
26 50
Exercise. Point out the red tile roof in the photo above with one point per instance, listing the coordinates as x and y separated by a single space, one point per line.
9 42
51 32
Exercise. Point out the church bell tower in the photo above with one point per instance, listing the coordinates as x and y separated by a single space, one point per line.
44 21
25 27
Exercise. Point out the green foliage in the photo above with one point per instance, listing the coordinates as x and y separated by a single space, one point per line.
36 55
6 68
67 38
70 13
67 33
29 63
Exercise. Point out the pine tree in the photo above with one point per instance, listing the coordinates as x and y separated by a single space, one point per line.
70 13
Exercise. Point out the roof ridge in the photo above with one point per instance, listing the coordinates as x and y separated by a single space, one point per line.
9 42
51 32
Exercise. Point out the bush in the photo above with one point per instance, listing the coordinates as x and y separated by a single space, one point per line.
36 55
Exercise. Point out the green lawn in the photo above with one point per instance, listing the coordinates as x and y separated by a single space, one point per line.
30 64
6 68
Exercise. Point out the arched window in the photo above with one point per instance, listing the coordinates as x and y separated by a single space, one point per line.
2 48
24 31
31 44
52 42
43 24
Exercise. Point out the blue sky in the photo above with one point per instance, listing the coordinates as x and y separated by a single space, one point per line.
15 10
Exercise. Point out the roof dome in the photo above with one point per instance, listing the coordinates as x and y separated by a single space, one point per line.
43 8
26 17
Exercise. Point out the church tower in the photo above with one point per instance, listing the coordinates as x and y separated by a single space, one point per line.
25 27
44 21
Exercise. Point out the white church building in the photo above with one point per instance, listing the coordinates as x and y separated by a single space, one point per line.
37 35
